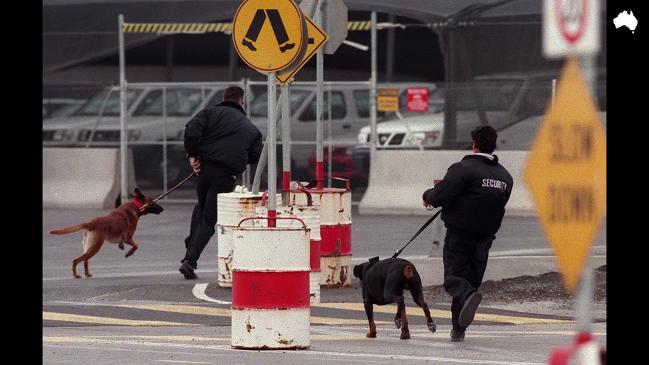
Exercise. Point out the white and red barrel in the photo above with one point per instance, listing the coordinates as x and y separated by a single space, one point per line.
335 231
270 288
231 209
310 215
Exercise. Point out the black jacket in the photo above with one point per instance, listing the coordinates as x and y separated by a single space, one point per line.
473 195
223 134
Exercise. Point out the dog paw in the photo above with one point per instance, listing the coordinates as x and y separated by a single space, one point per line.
128 254
77 276
397 322
121 246
88 275
371 335
432 327
405 335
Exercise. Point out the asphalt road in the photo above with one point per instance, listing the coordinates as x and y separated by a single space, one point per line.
140 310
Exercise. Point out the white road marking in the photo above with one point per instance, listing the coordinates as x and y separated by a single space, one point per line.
183 362
304 353
96 276
199 292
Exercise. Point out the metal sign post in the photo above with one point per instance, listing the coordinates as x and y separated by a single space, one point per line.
319 171
272 152
373 90
286 143
122 112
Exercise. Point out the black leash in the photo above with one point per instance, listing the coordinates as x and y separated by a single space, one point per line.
168 192
418 232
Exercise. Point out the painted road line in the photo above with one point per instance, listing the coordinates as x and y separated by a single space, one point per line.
199 292
225 312
78 318
310 353
184 338
438 313
126 274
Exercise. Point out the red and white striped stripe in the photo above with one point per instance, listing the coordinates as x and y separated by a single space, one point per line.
310 215
335 230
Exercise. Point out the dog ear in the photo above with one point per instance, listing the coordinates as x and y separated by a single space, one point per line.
138 194
358 271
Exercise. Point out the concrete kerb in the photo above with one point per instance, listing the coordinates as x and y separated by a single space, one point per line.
396 187
83 177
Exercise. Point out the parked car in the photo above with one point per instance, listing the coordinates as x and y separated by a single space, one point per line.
161 114
60 107
513 103
64 130
350 111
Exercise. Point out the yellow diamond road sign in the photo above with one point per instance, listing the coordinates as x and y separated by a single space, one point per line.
316 39
566 174
269 35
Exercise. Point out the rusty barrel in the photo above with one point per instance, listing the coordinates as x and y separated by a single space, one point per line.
270 288
335 231
310 215
231 209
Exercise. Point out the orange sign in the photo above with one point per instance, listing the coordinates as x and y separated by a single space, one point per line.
566 174
387 100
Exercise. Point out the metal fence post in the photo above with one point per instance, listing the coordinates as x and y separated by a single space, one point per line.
122 112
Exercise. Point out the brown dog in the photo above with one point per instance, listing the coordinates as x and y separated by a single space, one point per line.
117 227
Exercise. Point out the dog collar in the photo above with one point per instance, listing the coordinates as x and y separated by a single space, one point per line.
138 204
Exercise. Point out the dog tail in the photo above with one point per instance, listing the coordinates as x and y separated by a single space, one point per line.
70 229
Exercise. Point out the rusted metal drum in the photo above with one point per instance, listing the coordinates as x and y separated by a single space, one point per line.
335 230
270 288
310 215
231 209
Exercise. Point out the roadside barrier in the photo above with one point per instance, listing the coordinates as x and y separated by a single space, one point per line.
270 287
83 177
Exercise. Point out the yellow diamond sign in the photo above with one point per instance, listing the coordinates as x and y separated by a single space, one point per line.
316 39
566 174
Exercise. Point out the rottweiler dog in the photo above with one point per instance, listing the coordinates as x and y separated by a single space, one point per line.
383 283
117 227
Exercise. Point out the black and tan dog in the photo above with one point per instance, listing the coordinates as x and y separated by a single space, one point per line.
117 227
383 283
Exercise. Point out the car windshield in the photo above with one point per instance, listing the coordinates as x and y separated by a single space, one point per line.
94 105
180 102
259 107
64 110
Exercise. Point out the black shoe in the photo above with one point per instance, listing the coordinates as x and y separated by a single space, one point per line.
248 44
468 309
286 47
457 335
187 270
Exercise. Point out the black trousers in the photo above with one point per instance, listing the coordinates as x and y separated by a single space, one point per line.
213 179
465 260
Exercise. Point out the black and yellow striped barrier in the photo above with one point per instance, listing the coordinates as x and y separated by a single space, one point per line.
194 28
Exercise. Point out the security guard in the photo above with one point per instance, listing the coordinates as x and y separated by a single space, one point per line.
472 195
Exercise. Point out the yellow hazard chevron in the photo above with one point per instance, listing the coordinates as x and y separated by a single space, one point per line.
177 28
364 25
192 28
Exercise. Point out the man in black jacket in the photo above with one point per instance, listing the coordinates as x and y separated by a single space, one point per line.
220 141
472 195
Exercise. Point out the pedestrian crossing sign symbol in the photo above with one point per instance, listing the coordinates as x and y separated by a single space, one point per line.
316 39
269 35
